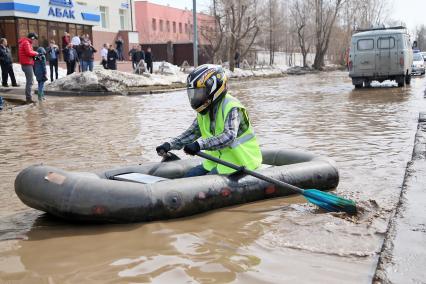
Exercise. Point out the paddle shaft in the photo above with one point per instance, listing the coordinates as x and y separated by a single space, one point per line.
249 172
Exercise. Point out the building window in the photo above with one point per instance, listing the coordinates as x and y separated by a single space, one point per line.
123 19
186 28
104 16
161 25
168 26
174 27
154 25
180 28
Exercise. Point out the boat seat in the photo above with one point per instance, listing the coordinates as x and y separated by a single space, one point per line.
139 178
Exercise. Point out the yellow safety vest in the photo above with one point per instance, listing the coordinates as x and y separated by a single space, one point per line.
244 151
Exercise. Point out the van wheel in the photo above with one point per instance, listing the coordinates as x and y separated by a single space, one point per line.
358 86
401 81
367 83
407 79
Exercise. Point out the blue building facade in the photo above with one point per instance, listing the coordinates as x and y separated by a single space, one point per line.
48 18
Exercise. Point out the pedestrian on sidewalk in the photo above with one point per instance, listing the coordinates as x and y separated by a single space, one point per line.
87 56
112 58
148 59
119 46
237 59
26 59
104 55
136 55
70 57
53 55
131 54
40 71
6 64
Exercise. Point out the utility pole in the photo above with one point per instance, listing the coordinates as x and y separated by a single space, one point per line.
195 45
131 15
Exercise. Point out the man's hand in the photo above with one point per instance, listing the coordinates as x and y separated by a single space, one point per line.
163 149
192 149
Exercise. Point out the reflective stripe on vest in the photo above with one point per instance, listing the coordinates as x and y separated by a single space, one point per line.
241 140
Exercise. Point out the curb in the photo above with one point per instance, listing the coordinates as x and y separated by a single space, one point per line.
403 254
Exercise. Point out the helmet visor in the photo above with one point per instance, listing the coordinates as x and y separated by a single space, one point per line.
197 98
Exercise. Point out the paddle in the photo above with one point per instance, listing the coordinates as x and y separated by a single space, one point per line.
327 201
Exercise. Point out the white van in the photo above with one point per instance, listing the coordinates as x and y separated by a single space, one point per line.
380 54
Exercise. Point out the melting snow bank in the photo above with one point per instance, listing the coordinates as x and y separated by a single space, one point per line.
113 81
171 77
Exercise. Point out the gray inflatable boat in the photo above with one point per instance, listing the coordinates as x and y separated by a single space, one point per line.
156 191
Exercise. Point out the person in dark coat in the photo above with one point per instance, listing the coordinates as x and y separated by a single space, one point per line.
70 58
6 64
119 46
136 55
40 71
112 57
237 59
53 55
148 59
87 56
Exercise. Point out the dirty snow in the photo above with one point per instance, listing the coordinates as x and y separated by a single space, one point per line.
165 74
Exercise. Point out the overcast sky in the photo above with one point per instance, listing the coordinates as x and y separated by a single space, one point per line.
411 12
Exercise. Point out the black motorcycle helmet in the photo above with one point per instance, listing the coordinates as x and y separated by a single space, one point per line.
32 36
205 85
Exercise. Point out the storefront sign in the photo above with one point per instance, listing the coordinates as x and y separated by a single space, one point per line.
66 12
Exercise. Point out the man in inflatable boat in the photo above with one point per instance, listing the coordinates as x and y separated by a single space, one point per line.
222 127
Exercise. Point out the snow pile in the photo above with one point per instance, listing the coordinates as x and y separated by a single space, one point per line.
165 74
298 70
20 76
242 73
165 68
113 81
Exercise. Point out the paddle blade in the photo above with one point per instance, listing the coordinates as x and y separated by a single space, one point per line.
330 202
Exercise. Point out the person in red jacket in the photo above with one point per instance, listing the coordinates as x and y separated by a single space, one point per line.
26 56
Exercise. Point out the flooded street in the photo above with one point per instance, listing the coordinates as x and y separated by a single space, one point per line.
368 132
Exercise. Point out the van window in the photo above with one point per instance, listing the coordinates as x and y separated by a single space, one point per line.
386 43
365 44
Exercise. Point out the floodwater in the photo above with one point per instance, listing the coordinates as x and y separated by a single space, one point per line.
369 133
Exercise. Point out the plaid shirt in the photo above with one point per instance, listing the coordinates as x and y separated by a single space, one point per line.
235 124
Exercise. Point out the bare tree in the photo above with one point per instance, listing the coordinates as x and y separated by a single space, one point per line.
274 26
215 37
421 37
236 28
325 16
243 27
301 13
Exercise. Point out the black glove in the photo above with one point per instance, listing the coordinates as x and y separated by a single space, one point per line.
192 149
163 149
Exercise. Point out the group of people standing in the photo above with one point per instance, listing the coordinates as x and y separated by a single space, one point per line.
78 51
137 54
